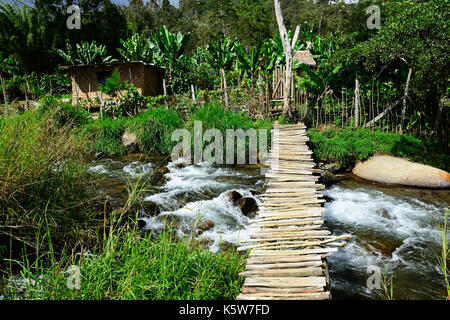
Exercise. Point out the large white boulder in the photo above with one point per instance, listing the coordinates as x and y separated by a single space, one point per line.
393 170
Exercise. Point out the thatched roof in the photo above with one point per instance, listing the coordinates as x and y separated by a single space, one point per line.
304 56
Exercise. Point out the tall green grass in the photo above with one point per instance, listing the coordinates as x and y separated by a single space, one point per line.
154 129
347 146
106 135
131 265
42 180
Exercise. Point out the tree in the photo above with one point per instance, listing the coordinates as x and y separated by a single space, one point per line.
419 34
288 52
219 55
167 47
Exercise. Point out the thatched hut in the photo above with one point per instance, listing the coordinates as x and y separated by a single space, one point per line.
146 77
299 57
304 57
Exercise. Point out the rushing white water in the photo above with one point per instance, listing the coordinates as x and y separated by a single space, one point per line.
114 168
211 185
397 234
393 228
137 169
193 180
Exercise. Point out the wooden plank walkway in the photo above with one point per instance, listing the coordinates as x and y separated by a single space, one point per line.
288 245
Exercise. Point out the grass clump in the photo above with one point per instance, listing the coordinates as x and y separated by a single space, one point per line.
42 184
131 265
154 129
106 135
349 145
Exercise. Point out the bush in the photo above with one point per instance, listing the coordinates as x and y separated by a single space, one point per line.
154 128
106 135
134 266
346 146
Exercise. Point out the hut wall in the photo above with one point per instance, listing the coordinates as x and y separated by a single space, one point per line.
86 80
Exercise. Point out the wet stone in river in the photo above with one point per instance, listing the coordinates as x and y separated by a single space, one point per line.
249 207
235 197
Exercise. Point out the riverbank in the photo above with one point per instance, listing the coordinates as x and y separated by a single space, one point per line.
344 147
52 216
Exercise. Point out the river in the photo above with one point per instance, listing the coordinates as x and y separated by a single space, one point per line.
394 228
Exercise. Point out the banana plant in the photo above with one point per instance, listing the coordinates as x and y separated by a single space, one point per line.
135 49
86 53
167 48
219 54
320 79
252 62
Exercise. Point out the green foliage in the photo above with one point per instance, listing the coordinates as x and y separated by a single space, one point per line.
219 53
106 135
167 48
346 146
64 114
129 265
126 99
86 53
41 179
135 49
113 85
154 128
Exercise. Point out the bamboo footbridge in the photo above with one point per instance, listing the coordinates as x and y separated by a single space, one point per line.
288 245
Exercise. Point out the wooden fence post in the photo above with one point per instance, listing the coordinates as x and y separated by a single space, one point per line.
193 93
4 94
356 101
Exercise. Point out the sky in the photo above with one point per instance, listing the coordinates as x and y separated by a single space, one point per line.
28 2
173 2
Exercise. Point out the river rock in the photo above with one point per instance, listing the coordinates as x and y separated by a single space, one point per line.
141 224
393 170
383 245
248 206
235 197
150 208
130 140
158 176
327 178
205 226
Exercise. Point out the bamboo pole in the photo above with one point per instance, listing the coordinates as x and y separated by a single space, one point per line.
4 95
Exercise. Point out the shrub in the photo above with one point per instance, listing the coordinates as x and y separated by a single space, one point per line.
349 145
154 129
106 135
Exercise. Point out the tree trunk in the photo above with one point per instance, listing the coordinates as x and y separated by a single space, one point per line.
261 93
441 124
225 91
288 52
404 100
356 102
